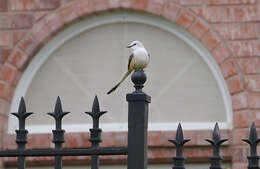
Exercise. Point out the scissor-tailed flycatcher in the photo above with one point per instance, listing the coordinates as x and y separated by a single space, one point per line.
139 59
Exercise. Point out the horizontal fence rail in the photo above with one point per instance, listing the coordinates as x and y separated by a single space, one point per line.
64 152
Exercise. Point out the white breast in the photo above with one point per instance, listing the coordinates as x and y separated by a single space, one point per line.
141 58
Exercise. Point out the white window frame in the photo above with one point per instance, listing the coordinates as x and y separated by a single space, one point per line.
119 17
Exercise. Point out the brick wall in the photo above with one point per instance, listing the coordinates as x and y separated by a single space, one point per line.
229 29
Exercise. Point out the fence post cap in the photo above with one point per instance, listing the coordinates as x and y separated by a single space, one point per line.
138 78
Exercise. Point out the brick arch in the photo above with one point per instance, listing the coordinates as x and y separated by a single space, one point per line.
188 18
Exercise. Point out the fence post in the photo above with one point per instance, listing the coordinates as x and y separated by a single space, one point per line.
178 161
253 140
216 142
58 133
95 132
21 134
137 123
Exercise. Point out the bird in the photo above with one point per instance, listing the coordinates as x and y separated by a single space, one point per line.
138 60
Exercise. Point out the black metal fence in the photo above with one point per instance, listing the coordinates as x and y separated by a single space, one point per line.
136 149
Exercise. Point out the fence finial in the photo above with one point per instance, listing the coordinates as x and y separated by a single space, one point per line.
22 114
96 113
253 140
216 142
58 113
179 143
138 78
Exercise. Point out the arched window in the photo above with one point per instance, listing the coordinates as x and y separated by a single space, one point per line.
89 57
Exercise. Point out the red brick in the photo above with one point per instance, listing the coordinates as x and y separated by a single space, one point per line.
125 3
249 65
212 14
210 40
40 31
113 4
185 19
18 35
229 2
9 73
16 21
140 4
221 53
39 15
100 5
219 14
4 107
39 141
198 28
252 83
239 165
239 134
170 11
155 6
190 2
21 21
77 140
239 101
34 5
85 7
6 39
3 5
18 59
235 84
54 22
69 12
4 54
228 68
28 45
245 48
241 14
244 119
6 91
238 31
254 100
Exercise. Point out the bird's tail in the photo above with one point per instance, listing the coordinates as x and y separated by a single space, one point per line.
116 86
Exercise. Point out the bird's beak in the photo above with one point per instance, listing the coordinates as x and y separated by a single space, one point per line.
129 46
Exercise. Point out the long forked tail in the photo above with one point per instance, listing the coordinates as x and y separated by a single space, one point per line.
116 86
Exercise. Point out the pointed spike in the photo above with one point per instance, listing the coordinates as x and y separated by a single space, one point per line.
95 107
179 133
216 133
210 141
52 114
253 134
174 142
247 141
185 141
16 115
58 106
22 107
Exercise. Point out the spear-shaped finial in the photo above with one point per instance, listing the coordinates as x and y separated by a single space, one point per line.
252 140
58 113
216 142
22 114
179 142
96 113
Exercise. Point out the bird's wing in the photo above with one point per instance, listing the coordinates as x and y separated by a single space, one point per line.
129 61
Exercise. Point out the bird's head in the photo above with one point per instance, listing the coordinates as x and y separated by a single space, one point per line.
135 44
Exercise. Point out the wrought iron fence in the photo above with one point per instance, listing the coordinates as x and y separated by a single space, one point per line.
136 149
